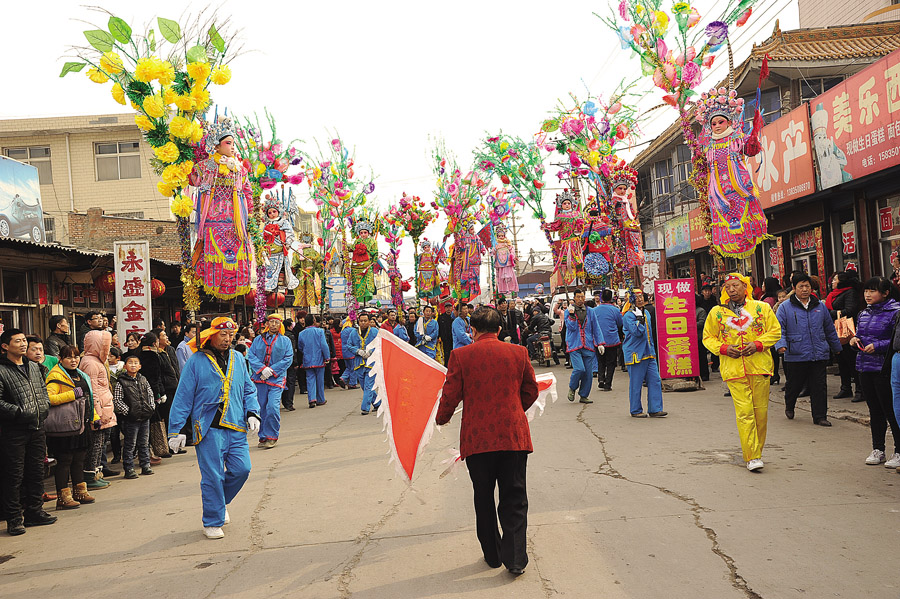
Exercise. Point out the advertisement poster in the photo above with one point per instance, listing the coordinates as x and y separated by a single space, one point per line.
676 318
337 293
698 230
784 170
856 124
21 213
653 268
132 272
678 236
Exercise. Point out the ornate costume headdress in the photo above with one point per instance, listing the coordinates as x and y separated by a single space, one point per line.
305 238
425 244
365 221
720 102
217 131
500 230
273 203
566 195
623 175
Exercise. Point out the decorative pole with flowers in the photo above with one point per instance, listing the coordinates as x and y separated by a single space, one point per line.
266 163
337 193
168 87
412 216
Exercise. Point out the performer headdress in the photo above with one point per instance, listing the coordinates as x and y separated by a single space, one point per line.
566 195
305 237
220 323
273 203
365 221
720 102
217 131
623 175
734 276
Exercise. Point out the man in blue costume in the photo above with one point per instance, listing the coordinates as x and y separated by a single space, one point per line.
582 339
608 320
316 357
270 356
462 330
348 376
640 358
428 333
400 329
357 341
215 392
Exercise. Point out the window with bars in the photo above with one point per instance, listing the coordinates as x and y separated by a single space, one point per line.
683 189
49 229
662 186
812 88
36 156
770 106
118 160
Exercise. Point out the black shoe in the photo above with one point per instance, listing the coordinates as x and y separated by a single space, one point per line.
844 393
822 422
109 472
322 403
40 519
116 459
516 571
641 415
312 404
857 398
727 394
146 471
658 414
290 408
569 366
15 529
789 413
131 474
491 564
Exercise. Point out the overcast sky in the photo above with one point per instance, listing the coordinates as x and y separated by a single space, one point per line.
389 76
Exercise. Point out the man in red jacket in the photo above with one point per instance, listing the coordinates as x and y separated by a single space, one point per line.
494 437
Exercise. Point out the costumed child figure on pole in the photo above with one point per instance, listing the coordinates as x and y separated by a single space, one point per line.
596 246
216 401
280 244
736 217
364 256
505 262
569 225
624 182
309 267
428 280
221 255
467 252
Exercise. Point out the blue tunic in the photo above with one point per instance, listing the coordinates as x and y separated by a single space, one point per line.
583 335
400 331
461 332
356 343
311 341
638 344
607 320
429 348
275 351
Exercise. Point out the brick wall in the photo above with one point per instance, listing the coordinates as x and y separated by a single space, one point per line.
94 230
829 13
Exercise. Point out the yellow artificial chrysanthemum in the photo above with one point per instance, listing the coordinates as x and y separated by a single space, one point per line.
260 169
220 75
168 96
196 132
201 97
166 73
172 175
681 8
134 105
166 189
198 71
146 69
185 103
97 76
661 22
180 127
154 107
186 167
182 206
143 123
118 94
167 152
111 63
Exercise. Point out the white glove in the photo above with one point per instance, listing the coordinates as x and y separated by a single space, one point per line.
601 350
369 353
162 399
427 337
253 424
177 443
361 353
266 373
638 312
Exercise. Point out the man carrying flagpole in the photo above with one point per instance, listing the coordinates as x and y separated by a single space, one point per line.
270 356
357 341
494 436
215 392
427 333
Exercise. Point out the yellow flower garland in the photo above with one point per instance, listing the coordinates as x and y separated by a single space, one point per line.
167 153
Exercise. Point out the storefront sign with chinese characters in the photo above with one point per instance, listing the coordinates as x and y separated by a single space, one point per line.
337 293
804 241
856 124
820 251
132 271
678 236
698 230
653 268
677 322
784 170
848 238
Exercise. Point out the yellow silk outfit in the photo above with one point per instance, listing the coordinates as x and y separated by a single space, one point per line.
748 376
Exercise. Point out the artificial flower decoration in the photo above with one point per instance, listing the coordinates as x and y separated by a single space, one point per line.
153 107
118 94
97 76
220 75
167 153
111 63
182 206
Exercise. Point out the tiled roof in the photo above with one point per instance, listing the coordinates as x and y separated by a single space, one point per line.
831 43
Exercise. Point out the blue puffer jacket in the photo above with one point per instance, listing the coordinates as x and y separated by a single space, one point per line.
875 325
807 334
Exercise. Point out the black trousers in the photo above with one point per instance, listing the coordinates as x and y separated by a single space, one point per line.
812 375
606 367
704 364
506 470
69 463
287 396
329 377
847 367
301 379
876 388
21 473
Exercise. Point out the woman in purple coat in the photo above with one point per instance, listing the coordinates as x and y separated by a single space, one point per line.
874 333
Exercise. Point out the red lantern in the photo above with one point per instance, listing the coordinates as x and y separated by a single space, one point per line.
273 300
157 288
404 286
106 282
250 297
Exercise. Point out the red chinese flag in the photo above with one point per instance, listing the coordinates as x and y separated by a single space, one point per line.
410 386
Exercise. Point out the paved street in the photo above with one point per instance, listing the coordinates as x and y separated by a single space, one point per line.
619 507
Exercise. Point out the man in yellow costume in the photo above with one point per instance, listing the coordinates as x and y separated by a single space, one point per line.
741 331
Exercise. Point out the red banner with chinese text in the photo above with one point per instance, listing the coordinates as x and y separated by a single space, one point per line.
856 124
784 170
698 231
132 272
676 318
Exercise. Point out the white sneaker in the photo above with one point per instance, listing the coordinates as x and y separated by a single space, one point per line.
875 458
227 517
756 464
894 462
213 532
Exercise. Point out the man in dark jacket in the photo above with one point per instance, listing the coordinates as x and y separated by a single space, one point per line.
411 319
511 321
540 324
494 436
445 329
58 337
807 338
287 396
93 321
24 406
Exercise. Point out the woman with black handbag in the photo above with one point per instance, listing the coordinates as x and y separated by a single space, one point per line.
69 426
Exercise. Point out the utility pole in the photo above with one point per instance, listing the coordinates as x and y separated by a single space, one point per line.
515 239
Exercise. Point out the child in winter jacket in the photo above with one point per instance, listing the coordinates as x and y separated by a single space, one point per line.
133 400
